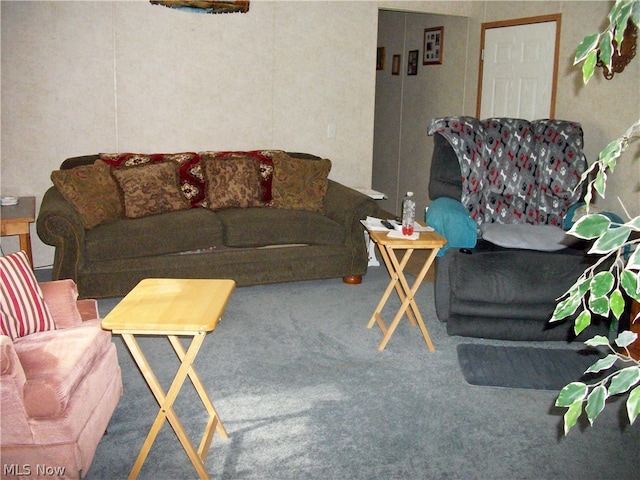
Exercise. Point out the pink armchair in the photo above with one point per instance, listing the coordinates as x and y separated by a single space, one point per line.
59 389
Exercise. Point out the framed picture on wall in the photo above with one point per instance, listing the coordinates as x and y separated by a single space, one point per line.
412 65
395 65
432 51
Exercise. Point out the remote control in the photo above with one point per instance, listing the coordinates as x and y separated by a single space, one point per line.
387 224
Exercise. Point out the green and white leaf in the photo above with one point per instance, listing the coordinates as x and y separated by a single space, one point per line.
582 321
633 404
626 338
624 380
601 284
597 341
599 306
603 364
595 402
588 45
590 226
617 303
611 240
572 393
571 415
630 284
634 260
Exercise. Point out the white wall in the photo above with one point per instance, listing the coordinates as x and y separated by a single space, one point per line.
88 77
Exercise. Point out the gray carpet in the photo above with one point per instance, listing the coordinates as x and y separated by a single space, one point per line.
525 367
305 394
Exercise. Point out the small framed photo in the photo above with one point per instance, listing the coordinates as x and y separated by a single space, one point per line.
380 59
395 65
412 65
432 51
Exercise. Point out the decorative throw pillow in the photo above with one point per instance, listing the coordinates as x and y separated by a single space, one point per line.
22 307
299 184
232 182
192 183
450 219
265 157
92 191
150 189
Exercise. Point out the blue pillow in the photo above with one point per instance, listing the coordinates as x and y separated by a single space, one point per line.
450 219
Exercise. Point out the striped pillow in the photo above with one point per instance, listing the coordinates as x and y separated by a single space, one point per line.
22 307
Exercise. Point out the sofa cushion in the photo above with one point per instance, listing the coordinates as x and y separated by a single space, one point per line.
56 362
299 184
150 189
92 191
257 227
22 307
232 182
192 183
171 232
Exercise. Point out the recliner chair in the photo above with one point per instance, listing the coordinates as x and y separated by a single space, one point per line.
494 280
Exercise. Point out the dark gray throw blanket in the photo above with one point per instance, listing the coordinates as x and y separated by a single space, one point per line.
514 170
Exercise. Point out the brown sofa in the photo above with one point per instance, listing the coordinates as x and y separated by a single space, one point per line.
276 238
59 390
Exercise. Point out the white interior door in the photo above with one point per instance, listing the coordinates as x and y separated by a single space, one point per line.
518 71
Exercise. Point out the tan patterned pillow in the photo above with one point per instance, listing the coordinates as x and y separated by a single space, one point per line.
232 182
92 191
150 189
299 184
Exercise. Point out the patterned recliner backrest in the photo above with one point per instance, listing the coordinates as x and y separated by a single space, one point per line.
513 170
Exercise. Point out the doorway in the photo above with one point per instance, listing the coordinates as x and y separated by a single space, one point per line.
519 68
406 101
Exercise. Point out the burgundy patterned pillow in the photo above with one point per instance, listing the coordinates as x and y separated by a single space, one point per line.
192 183
22 307
232 182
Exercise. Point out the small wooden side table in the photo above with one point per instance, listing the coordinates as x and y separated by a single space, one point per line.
406 293
173 307
15 220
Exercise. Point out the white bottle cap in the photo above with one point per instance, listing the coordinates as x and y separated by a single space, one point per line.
409 194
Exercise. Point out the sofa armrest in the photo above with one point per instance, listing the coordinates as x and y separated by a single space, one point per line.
59 224
61 297
347 207
15 423
10 363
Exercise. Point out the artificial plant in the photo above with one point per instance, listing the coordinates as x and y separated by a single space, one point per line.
603 289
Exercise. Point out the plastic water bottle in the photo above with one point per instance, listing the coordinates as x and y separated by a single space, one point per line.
408 214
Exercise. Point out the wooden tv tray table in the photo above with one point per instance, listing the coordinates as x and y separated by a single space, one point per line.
173 307
15 220
406 293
